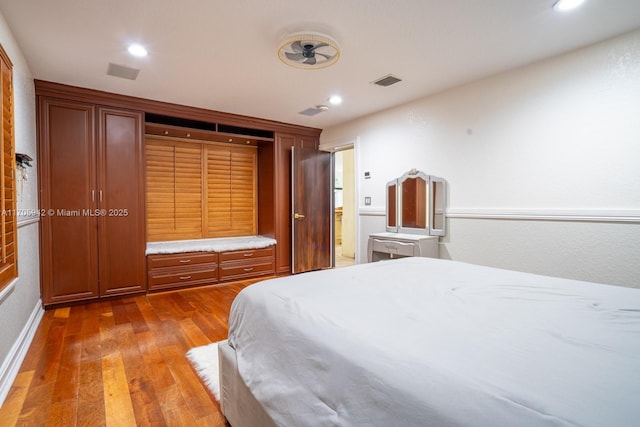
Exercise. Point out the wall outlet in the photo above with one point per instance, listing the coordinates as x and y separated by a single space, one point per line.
367 175
367 201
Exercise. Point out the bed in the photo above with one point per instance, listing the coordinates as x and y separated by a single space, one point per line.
430 342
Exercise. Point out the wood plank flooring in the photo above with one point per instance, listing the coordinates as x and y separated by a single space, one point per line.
122 362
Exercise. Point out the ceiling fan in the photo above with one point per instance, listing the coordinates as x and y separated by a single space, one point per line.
309 50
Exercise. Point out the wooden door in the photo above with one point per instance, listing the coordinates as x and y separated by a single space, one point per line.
67 184
311 209
120 198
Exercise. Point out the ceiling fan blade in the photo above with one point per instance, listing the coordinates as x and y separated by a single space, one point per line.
294 56
310 61
328 57
319 45
297 47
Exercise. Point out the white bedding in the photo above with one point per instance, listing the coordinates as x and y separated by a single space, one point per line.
428 342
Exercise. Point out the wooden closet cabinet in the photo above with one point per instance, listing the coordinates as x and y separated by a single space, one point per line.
91 199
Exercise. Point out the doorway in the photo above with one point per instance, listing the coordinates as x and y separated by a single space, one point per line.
344 207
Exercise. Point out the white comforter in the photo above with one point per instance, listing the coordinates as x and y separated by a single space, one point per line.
428 342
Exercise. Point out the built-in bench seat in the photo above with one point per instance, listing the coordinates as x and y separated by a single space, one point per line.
181 263
210 245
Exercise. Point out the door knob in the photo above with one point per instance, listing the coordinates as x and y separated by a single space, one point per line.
297 216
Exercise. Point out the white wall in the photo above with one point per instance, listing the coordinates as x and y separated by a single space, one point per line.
20 308
556 139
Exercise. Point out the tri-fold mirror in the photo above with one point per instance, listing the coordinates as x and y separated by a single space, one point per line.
416 204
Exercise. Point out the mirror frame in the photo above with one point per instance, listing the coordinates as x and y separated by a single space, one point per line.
388 227
431 205
414 174
437 207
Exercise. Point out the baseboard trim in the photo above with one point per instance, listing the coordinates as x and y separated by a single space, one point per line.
13 361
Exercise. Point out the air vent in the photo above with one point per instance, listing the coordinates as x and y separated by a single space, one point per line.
386 81
121 71
311 111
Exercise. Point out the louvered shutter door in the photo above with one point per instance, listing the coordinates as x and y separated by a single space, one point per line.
174 190
8 265
219 191
243 191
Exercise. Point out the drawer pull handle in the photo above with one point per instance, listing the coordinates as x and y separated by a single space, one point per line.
185 277
184 261
248 269
249 254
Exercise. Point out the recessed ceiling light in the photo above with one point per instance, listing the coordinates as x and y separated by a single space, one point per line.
564 5
335 100
138 50
322 107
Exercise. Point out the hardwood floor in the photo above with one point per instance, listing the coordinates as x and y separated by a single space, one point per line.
122 363
343 261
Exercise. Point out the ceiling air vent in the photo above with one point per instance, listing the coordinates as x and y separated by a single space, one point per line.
121 71
386 81
312 111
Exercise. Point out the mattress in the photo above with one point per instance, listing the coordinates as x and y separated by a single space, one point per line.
421 341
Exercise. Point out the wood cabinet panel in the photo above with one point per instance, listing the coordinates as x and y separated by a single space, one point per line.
283 202
248 263
92 238
172 271
238 271
84 139
169 271
67 180
181 260
120 196
248 254
205 274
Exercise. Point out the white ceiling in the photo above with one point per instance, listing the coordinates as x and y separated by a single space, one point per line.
222 55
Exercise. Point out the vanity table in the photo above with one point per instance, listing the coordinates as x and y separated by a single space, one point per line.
396 245
415 218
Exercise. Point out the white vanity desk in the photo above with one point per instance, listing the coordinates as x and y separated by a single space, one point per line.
395 245
415 218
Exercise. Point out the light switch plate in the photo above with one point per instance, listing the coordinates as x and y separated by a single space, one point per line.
367 201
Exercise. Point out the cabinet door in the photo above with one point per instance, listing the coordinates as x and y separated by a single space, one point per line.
284 145
67 183
311 209
121 202
283 203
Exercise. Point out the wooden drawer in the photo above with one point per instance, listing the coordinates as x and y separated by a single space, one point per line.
246 270
176 278
393 247
181 260
246 254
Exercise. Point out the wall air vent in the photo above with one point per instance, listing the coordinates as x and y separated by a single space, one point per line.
122 71
387 80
